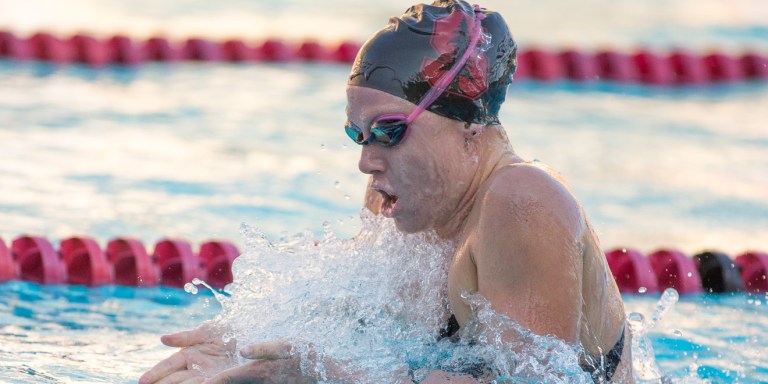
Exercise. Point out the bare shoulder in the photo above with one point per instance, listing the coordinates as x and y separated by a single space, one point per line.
530 197
527 248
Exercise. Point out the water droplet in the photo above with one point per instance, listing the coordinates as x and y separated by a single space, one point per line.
337 184
346 197
677 333
690 274
190 288
322 147
642 290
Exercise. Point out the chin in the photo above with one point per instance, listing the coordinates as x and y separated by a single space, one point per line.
408 226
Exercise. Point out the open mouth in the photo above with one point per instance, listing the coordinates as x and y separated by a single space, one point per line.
387 204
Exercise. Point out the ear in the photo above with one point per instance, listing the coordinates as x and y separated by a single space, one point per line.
473 130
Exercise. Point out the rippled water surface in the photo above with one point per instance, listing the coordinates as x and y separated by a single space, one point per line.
193 150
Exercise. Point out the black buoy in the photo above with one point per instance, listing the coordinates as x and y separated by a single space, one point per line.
719 274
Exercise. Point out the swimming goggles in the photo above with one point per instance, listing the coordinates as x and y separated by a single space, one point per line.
389 129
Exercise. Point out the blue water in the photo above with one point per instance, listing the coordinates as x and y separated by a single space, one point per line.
61 334
193 150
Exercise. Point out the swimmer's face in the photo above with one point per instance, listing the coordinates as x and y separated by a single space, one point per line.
421 179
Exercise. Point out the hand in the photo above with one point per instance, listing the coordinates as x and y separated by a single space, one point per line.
202 354
273 363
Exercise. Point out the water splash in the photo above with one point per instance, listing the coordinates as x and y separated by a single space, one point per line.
376 303
643 359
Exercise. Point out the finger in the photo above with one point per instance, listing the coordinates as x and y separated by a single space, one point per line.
246 373
194 380
272 350
173 363
181 377
186 338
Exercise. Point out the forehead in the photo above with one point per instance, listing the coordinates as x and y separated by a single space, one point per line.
363 104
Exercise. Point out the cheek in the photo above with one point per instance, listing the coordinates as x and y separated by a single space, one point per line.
424 176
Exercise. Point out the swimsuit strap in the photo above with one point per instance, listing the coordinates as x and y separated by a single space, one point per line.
450 329
604 369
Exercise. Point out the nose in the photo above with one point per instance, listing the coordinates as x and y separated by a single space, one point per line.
370 160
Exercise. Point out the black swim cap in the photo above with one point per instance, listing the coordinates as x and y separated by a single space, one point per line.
406 58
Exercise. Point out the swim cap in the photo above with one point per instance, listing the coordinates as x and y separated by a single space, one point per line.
409 55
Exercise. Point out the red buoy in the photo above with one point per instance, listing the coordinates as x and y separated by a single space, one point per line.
85 262
160 49
276 50
632 271
217 258
615 66
124 51
687 68
91 51
542 65
673 269
346 52
237 50
754 271
132 264
754 66
50 48
38 261
14 47
652 68
198 49
723 68
578 66
9 270
313 51
178 265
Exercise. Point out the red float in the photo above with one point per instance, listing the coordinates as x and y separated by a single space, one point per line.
50 48
14 47
615 66
754 271
673 269
198 49
124 51
217 258
754 66
131 263
159 49
237 50
688 69
346 52
313 51
276 50
88 50
541 65
178 265
578 66
38 261
652 68
723 68
632 271
9 270
85 262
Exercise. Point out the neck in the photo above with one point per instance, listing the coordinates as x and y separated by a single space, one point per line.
492 150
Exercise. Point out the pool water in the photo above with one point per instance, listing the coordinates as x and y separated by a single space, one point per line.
192 150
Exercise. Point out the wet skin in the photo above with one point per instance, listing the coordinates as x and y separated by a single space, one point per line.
523 240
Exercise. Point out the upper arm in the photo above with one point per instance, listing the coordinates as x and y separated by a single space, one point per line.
528 252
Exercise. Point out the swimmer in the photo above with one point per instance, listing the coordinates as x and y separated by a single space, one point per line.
423 99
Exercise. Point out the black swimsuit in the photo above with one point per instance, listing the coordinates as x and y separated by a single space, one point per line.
601 371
